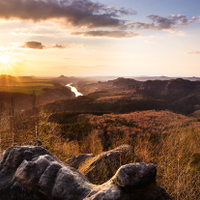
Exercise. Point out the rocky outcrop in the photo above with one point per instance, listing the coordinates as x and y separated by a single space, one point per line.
99 169
29 171
77 161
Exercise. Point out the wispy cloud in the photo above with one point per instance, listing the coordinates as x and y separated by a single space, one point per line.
164 23
39 45
193 52
33 32
109 34
58 46
181 33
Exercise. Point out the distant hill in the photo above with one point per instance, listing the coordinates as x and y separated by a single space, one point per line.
64 80
145 78
23 101
179 95
173 85
120 95
7 80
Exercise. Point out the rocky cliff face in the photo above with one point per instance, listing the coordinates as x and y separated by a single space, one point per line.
33 173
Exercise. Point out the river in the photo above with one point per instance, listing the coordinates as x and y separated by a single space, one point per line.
74 90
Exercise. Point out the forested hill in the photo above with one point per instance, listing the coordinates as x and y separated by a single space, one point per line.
178 95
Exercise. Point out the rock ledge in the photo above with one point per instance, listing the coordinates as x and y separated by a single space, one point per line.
30 172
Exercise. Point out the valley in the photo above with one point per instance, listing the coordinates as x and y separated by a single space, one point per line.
159 119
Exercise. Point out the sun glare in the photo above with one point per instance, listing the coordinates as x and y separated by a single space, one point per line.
4 59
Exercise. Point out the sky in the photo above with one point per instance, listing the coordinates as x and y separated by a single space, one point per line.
106 38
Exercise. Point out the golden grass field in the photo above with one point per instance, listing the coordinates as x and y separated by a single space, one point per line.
26 88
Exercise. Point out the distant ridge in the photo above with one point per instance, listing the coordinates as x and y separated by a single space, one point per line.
145 78
8 80
74 79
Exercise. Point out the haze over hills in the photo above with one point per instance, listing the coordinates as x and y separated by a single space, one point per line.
20 90
179 95
106 78
8 79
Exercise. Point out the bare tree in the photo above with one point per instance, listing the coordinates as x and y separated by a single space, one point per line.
1 114
12 112
33 102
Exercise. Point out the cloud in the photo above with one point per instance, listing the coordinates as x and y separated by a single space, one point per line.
193 52
84 14
65 46
39 45
33 45
59 46
77 13
164 23
109 34
41 31
181 33
120 11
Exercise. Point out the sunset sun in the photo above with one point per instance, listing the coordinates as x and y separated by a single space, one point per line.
4 59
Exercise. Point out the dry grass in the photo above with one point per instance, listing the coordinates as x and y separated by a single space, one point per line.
173 162
168 140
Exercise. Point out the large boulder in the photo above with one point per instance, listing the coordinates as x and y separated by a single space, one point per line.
9 163
33 173
99 169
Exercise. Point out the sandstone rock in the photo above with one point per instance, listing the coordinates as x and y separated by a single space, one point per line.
101 168
76 161
134 175
31 171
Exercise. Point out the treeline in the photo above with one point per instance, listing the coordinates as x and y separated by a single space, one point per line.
70 116
86 103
